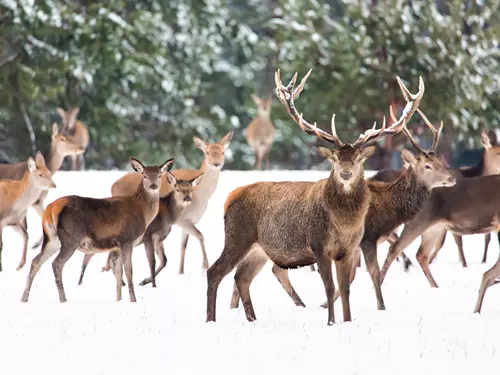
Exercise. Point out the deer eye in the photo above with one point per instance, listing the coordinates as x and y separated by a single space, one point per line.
427 166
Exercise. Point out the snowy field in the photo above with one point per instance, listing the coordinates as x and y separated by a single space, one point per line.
423 330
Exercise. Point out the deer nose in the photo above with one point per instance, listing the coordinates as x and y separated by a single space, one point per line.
345 175
187 199
153 186
217 165
452 181
53 185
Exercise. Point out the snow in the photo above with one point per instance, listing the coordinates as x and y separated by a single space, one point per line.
422 330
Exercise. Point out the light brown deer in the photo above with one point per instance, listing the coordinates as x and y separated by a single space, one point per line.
77 132
260 131
296 224
60 147
171 207
211 168
489 164
99 225
471 206
17 195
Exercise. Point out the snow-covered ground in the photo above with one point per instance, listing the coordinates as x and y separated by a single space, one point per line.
423 330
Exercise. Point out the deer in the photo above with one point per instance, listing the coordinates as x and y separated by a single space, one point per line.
260 131
95 225
171 207
16 196
296 224
60 147
489 164
77 132
471 206
392 204
211 168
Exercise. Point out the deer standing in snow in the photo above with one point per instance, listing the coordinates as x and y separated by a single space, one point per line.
260 131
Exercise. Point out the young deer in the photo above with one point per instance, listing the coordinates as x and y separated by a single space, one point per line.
472 206
211 168
489 164
260 131
296 224
17 195
77 132
171 207
97 225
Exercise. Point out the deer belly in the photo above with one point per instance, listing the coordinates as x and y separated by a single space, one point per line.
88 246
476 227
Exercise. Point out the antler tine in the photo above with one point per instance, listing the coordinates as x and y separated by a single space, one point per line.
287 94
405 130
435 132
413 100
334 133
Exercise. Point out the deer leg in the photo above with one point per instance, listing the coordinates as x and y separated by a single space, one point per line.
282 276
231 256
336 295
235 297
488 279
487 238
160 253
245 273
184 242
258 159
19 228
49 248
440 239
1 247
126 255
410 232
193 231
344 274
267 160
110 264
460 245
67 250
117 264
312 267
369 249
325 270
86 259
426 246
150 254
38 207
81 162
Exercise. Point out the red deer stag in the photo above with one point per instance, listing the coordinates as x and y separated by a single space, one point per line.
260 131
16 196
296 224
77 132
98 225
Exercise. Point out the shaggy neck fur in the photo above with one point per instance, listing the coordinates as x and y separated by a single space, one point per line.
148 202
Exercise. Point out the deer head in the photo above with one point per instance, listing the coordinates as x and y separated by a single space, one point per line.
347 159
214 152
151 176
62 145
183 190
491 152
69 117
429 169
39 173
263 105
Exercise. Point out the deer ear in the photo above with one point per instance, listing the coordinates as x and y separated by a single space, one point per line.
167 165
72 117
40 160
62 113
367 152
327 153
485 139
195 181
200 143
137 165
55 130
31 164
408 157
171 179
226 139
256 99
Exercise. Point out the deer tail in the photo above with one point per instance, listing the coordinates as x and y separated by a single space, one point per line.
50 219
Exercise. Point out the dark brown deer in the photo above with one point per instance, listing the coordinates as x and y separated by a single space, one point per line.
99 225
472 206
393 204
171 207
77 132
260 131
296 224
16 196
489 164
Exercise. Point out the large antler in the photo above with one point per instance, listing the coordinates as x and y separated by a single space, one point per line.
435 132
412 101
287 94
